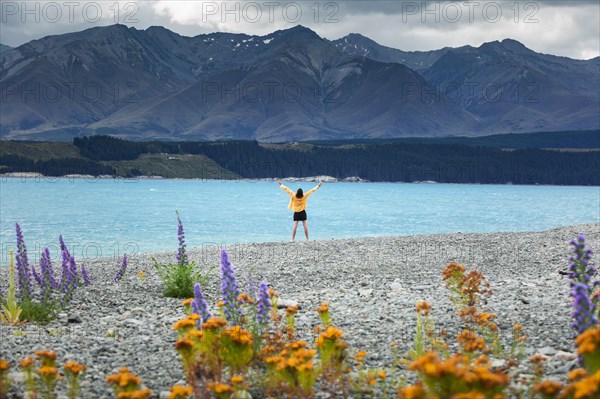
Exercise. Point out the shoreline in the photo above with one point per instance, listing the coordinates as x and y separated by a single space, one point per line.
300 241
328 180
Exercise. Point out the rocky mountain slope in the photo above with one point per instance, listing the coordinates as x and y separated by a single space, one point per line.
289 85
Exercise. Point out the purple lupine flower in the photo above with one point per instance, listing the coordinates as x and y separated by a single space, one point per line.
121 271
251 286
65 277
182 257
72 279
199 305
86 277
66 268
263 304
581 273
36 276
47 271
73 271
48 285
583 307
22 265
230 291
68 279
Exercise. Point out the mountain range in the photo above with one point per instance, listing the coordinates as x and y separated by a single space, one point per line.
290 85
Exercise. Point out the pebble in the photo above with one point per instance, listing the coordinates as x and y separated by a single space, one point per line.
547 351
74 318
563 356
396 287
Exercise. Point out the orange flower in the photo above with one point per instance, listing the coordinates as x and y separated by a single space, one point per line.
423 307
470 341
577 374
469 395
220 388
297 345
27 362
360 356
243 297
538 359
237 379
187 302
550 388
413 392
324 308
195 335
291 310
124 378
184 344
48 371
238 335
184 323
214 323
588 387
451 270
330 334
481 361
137 394
588 341
74 368
46 355
180 392
4 365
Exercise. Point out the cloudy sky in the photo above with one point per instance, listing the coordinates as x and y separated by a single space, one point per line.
567 28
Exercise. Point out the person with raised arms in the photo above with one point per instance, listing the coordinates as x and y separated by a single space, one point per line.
297 204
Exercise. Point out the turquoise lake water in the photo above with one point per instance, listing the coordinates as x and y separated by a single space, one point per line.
112 217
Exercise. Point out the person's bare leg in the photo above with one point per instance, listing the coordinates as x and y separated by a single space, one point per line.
305 229
294 230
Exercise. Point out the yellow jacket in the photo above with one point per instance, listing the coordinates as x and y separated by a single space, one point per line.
298 204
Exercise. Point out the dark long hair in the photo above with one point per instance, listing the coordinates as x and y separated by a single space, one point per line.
299 193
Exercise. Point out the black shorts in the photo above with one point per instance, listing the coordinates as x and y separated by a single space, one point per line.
299 216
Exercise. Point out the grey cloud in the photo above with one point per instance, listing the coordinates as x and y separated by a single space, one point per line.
382 21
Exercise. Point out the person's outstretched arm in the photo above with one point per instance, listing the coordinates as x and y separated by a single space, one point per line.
284 188
314 189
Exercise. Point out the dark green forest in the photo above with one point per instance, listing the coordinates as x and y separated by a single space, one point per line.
397 161
53 167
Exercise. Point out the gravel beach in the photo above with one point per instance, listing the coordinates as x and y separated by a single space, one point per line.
371 285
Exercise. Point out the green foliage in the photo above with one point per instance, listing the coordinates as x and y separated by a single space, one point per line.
179 279
445 160
405 162
169 166
418 348
53 167
11 311
108 148
41 312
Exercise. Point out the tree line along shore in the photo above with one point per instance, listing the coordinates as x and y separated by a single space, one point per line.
561 158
